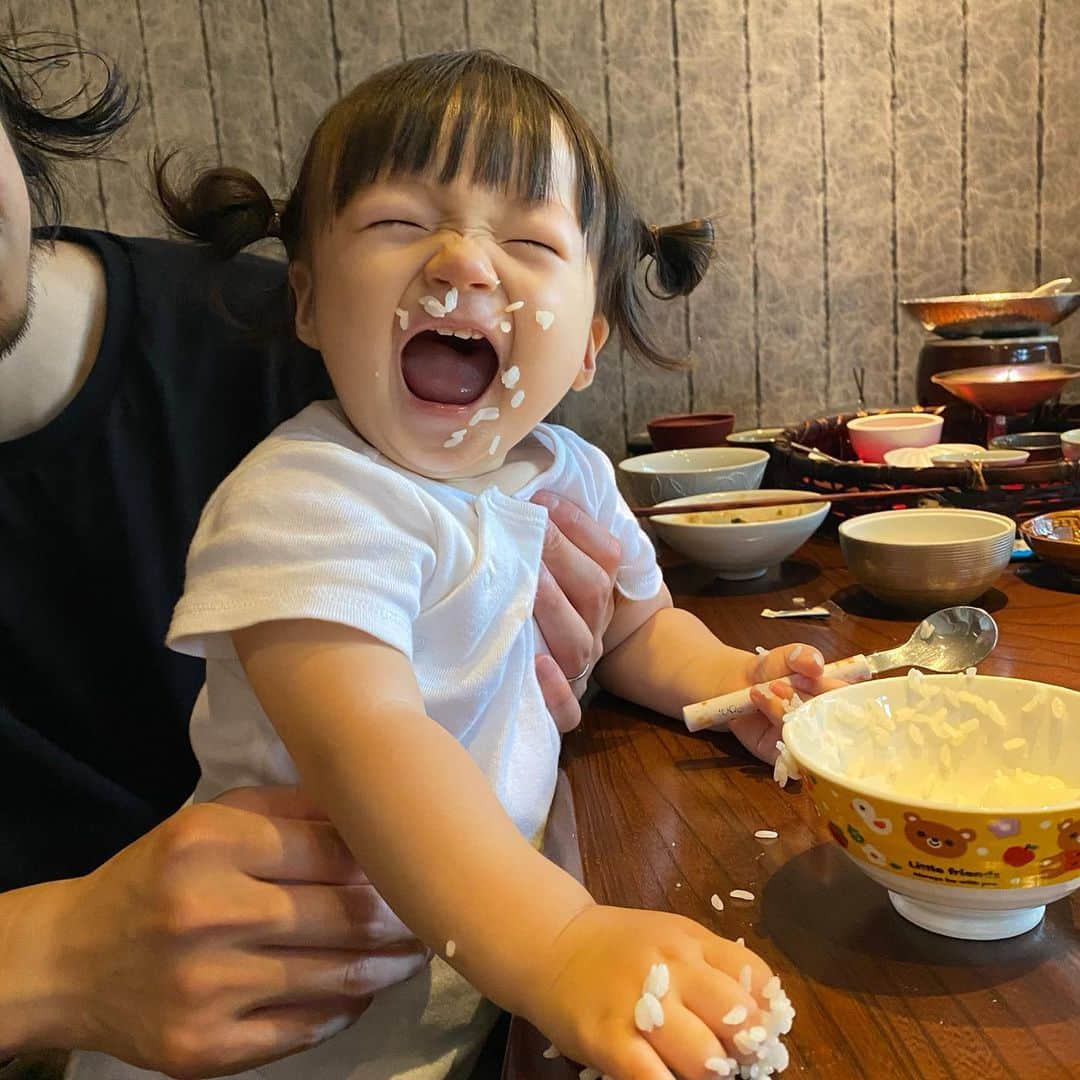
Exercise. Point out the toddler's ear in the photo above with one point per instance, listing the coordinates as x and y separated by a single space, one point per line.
598 334
304 294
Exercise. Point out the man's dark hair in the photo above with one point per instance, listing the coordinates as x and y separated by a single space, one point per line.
41 132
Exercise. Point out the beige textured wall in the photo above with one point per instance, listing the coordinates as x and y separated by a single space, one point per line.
856 151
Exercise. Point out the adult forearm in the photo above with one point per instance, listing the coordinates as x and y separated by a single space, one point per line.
671 660
33 985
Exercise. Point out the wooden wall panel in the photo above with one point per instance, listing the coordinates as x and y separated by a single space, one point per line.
1060 196
784 74
507 26
717 170
571 48
244 112
856 98
304 70
930 52
647 144
433 25
179 76
81 180
368 36
1002 134
116 29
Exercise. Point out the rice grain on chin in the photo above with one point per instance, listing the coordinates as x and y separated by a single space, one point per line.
517 399
545 319
487 413
510 376
504 326
515 306
494 444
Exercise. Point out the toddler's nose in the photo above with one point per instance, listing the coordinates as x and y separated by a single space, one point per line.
461 263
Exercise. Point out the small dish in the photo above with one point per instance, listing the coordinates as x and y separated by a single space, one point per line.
873 436
1055 537
983 457
762 436
690 430
1040 445
922 457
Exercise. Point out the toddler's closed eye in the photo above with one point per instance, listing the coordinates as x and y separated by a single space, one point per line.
533 243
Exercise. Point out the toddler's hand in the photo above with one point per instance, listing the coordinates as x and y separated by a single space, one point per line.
717 993
803 664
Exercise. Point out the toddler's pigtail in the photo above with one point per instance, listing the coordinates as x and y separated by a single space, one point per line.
680 256
226 208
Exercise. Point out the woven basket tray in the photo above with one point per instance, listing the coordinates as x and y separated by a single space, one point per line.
1019 491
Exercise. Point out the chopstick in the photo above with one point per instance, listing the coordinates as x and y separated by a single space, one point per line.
778 500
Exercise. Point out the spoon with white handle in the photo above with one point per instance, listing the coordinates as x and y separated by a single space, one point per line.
950 640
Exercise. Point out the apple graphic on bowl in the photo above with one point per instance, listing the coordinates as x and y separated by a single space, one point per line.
1019 856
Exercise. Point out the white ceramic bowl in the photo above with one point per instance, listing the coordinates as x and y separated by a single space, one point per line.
984 457
962 853
1070 444
742 549
928 558
671 474
873 436
922 457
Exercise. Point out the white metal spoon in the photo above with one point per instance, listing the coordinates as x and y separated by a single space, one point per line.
952 639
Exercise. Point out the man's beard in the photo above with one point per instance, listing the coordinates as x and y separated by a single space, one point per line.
13 325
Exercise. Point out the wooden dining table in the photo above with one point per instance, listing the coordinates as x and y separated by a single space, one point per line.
656 817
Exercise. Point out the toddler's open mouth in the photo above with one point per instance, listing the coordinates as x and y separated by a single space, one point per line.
448 369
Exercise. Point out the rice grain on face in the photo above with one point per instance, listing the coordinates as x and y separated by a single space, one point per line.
402 317
487 413
451 948
545 319
515 306
510 377
716 902
517 399
741 894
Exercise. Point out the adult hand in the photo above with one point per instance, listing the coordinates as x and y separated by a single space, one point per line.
233 934
575 599
803 665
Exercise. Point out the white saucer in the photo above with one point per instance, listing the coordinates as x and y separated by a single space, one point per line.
922 457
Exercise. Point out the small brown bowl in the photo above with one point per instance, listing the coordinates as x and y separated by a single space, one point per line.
690 430
1055 537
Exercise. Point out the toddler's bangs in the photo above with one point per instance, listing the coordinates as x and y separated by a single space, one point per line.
460 114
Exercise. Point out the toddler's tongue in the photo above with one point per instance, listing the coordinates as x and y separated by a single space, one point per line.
448 370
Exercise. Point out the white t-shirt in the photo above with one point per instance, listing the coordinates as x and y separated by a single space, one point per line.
315 523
